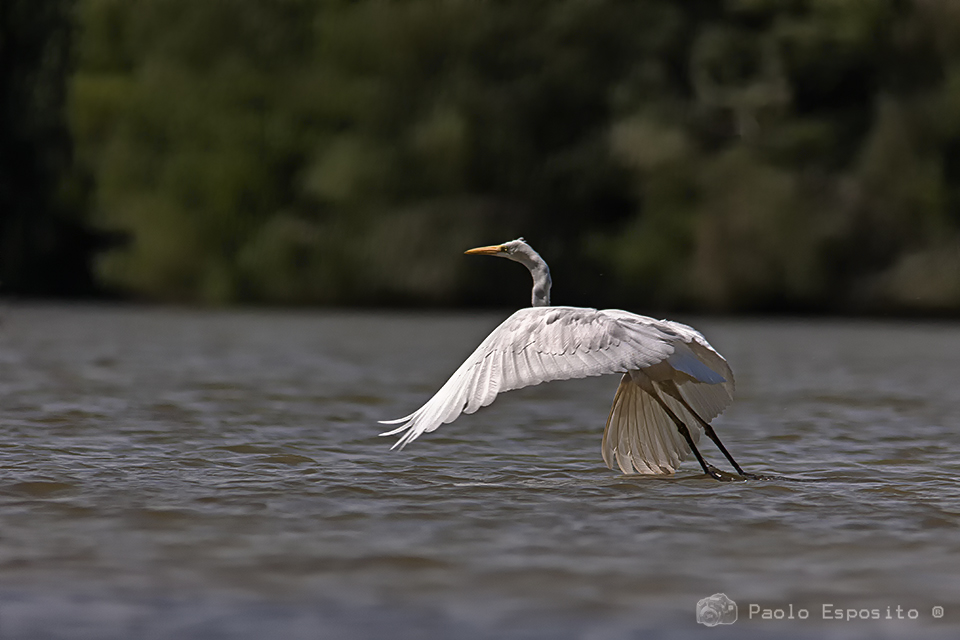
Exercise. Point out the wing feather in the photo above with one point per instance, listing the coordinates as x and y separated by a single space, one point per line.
482 383
640 437
653 427
545 343
628 424
610 436
637 458
535 373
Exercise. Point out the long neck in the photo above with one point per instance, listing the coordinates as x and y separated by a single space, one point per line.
541 279
541 286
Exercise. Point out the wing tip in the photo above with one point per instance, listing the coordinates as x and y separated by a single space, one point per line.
393 432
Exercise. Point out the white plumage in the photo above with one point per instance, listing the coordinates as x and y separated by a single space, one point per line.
666 365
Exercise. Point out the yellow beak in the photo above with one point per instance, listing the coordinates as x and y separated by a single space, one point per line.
492 250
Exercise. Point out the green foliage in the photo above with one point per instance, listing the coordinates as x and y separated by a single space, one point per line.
747 155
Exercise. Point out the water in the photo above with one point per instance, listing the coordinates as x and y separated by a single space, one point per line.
172 473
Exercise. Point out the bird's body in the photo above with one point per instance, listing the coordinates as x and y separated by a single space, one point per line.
673 381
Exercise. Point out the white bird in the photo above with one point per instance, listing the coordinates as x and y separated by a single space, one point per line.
673 381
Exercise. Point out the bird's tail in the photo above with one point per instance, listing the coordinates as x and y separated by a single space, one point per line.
640 436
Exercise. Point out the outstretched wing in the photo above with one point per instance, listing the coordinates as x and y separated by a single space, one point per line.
539 344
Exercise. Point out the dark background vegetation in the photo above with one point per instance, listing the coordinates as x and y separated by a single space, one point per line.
739 156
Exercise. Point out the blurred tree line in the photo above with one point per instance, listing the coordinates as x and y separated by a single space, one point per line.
746 155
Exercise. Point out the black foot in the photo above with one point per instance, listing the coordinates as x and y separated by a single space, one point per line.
722 476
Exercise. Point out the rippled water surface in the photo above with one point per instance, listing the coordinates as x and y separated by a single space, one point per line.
181 474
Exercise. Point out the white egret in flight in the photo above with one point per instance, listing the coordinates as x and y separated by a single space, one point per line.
673 381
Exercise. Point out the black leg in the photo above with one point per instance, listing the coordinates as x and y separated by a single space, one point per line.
711 434
716 439
685 432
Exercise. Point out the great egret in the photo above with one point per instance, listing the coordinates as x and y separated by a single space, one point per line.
673 381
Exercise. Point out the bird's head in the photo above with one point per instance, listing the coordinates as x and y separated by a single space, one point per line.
517 250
